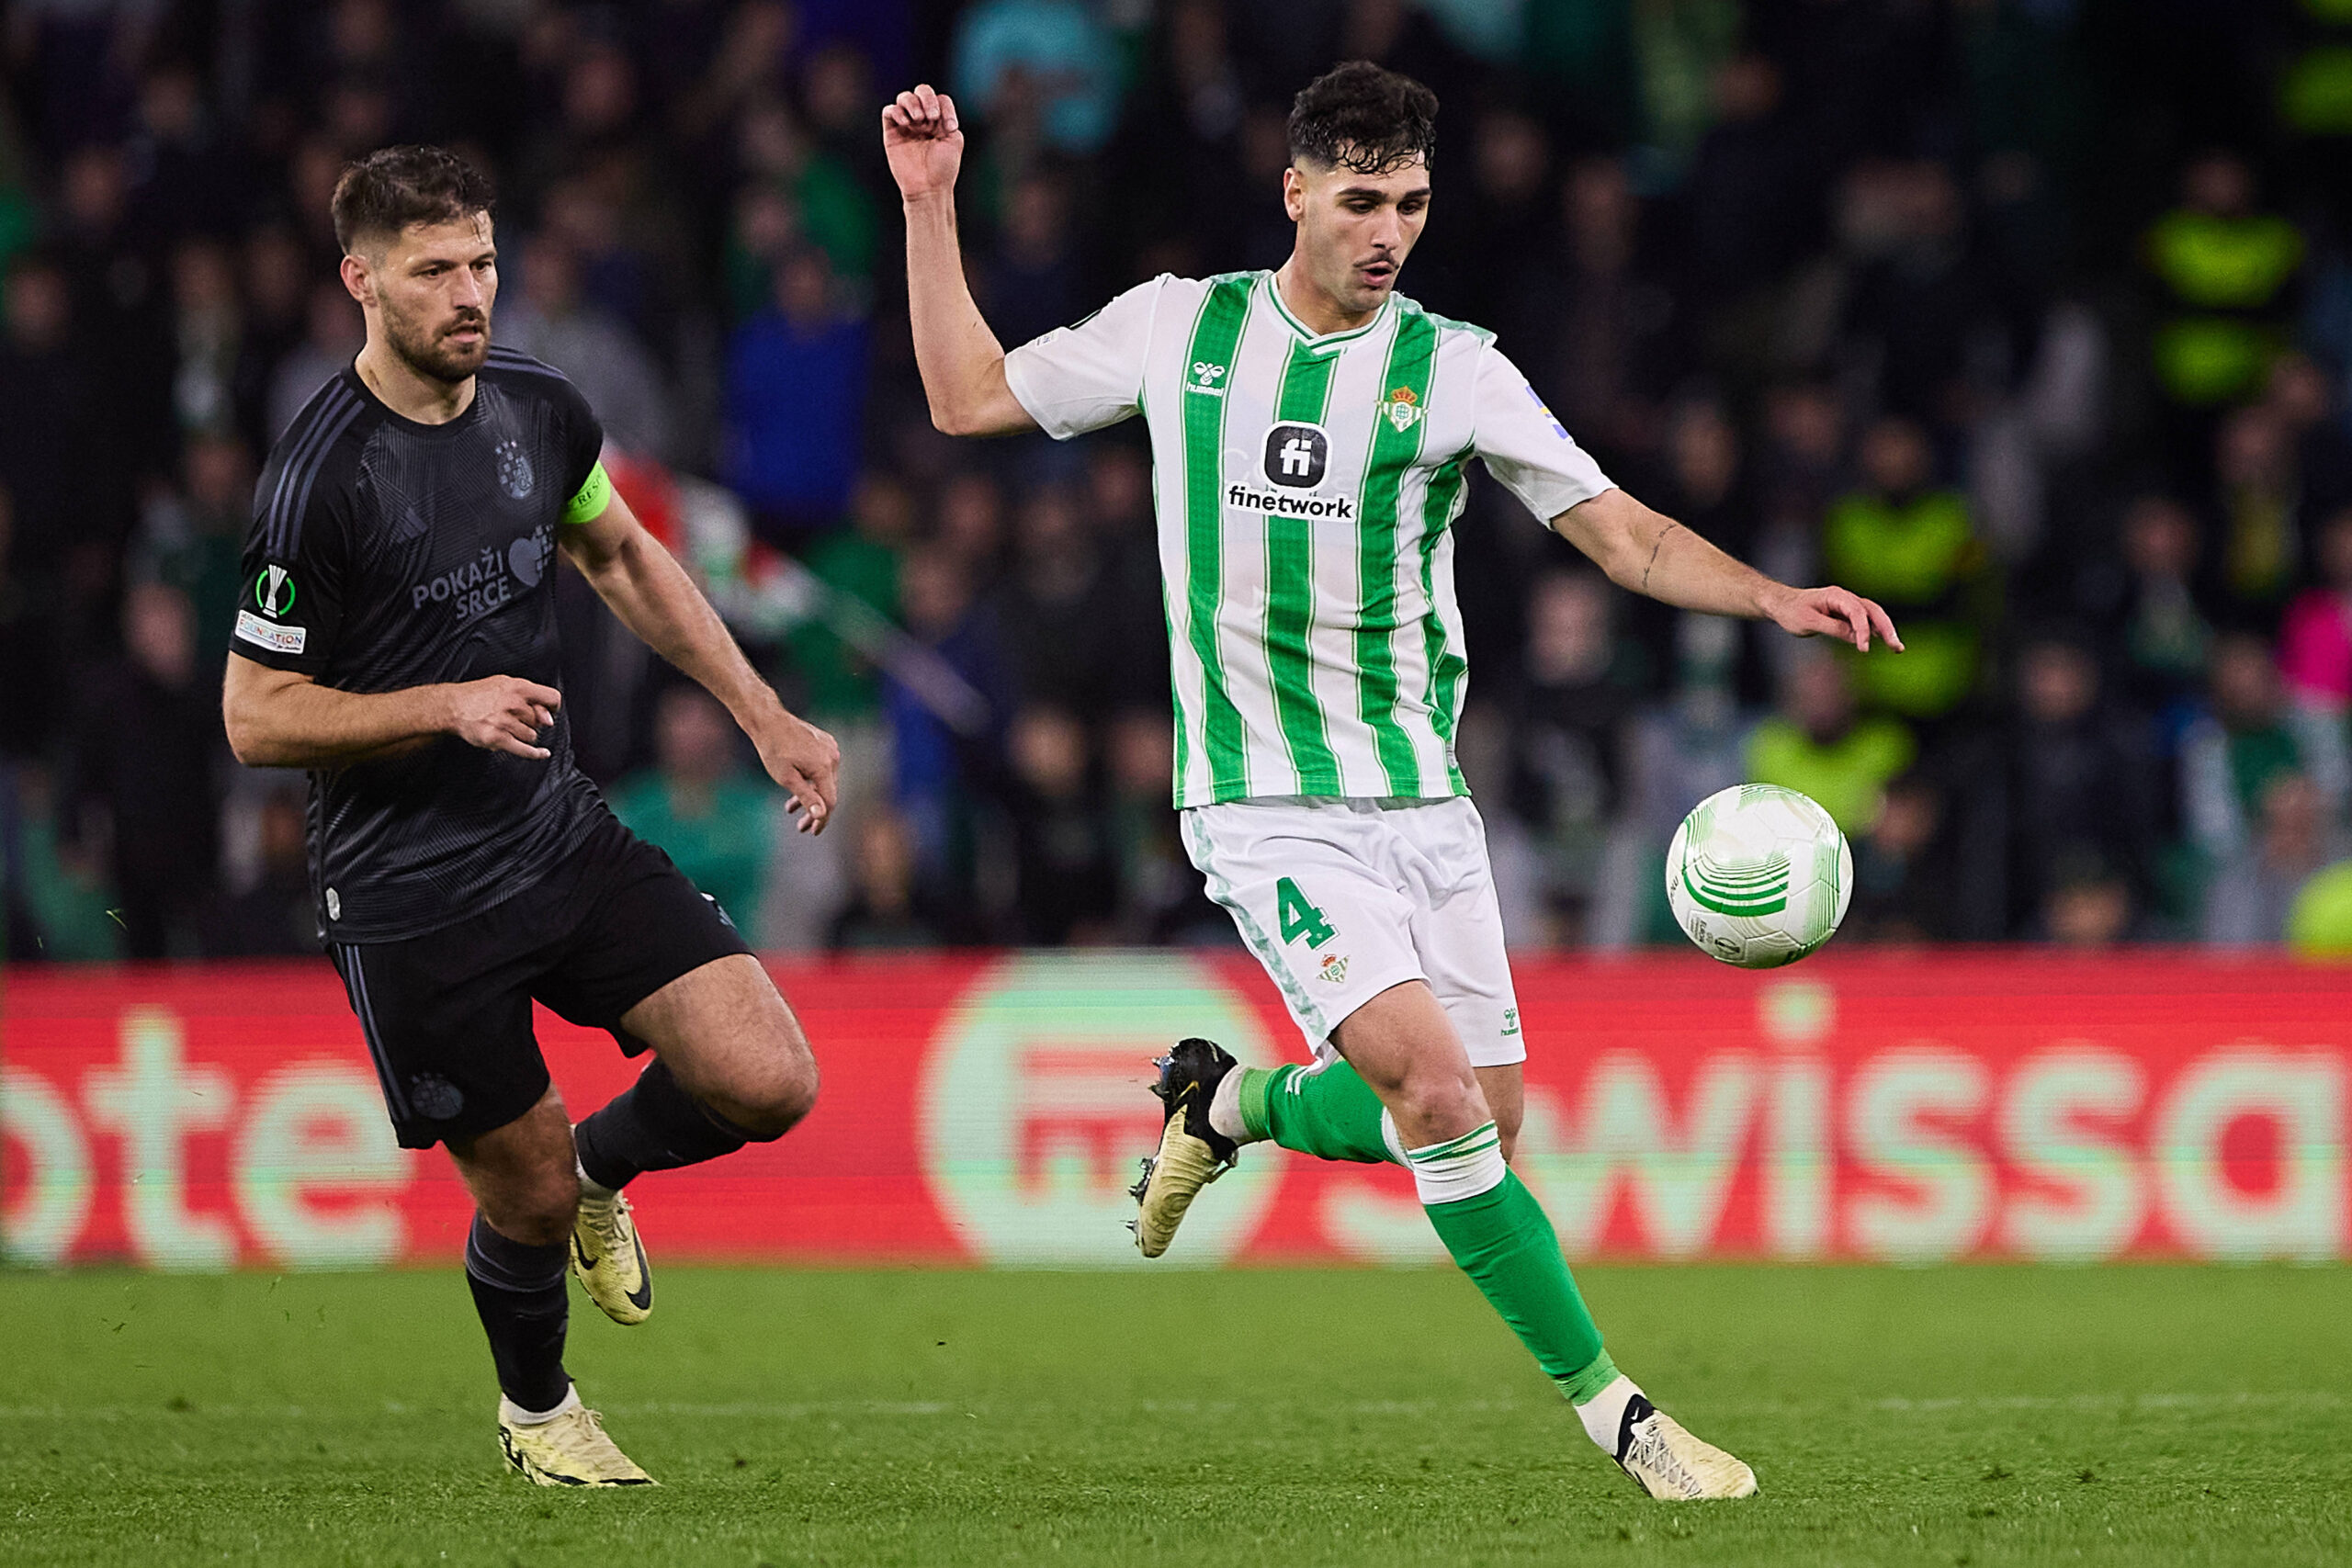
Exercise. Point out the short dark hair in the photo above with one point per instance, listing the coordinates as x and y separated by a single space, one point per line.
1359 116
395 186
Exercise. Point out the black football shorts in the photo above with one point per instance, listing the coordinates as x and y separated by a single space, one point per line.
448 1015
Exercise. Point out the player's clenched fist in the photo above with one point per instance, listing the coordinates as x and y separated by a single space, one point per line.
923 142
504 713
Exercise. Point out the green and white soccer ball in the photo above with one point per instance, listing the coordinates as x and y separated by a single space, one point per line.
1758 875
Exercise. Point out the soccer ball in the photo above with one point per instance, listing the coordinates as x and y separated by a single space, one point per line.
1758 875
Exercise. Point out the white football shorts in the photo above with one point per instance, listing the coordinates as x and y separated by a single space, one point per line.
1342 899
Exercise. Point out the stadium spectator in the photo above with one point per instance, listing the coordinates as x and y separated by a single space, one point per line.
1569 718
2316 641
273 915
971 524
796 378
713 816
1030 285
1056 608
548 320
2087 904
1903 880
51 443
1064 871
1752 204
2224 268
2160 628
2252 894
938 774
210 337
2231 754
1039 71
861 562
2258 497
1821 745
1161 900
1589 323
2082 779
59 907
332 336
193 539
1909 544
1918 307
141 793
883 913
30 658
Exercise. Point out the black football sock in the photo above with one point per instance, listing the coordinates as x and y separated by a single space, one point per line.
519 1291
653 1126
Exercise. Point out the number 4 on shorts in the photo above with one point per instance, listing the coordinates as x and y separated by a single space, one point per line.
1299 917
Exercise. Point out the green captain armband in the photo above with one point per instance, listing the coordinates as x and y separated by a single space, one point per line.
595 494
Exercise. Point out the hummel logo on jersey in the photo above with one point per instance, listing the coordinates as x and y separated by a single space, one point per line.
1296 455
274 592
1205 377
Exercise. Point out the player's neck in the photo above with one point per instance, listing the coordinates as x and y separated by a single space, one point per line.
1316 310
399 388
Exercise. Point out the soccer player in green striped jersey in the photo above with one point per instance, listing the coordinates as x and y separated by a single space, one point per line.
1310 429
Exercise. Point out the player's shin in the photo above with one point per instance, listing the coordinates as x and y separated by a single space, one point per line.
653 1125
518 1289
1500 1236
1329 1113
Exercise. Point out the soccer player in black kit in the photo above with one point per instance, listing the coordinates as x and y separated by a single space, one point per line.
396 637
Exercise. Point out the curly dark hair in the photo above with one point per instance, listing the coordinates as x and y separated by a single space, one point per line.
394 186
1362 117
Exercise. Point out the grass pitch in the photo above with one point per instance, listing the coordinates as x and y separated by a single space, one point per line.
1954 1416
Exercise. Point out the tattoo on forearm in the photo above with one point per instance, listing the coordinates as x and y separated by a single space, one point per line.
1662 533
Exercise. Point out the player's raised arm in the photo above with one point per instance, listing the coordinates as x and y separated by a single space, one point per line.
961 361
1650 553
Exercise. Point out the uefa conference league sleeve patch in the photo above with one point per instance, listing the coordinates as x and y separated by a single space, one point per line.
264 625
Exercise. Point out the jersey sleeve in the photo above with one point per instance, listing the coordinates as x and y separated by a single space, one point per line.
290 608
1083 378
586 490
1526 447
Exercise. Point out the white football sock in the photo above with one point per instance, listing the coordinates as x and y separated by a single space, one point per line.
589 1187
514 1414
1604 1413
1224 1108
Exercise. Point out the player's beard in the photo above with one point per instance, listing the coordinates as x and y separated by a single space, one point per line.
429 351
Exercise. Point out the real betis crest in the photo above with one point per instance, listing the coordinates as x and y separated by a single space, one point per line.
1404 408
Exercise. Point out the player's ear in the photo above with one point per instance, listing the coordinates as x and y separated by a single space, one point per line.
357 280
1295 192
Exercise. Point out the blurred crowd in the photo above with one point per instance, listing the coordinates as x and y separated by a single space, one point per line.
2031 318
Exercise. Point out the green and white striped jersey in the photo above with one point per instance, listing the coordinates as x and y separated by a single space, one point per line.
1305 488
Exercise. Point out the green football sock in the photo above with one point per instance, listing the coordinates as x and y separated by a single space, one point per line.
1503 1240
1330 1113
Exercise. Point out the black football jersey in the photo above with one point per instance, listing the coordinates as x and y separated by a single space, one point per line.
386 554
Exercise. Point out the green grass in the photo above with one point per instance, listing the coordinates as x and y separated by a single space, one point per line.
1945 1417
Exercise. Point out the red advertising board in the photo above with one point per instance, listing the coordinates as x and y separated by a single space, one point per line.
990 1109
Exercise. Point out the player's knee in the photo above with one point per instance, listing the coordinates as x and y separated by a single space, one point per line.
538 1212
771 1104
1439 1105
